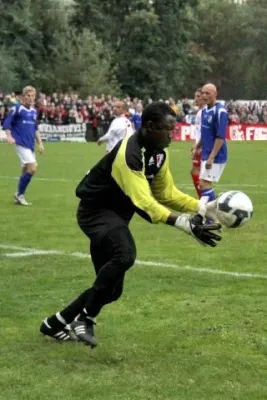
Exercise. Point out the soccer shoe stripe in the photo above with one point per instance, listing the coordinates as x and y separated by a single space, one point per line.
58 333
60 318
47 324
80 330
61 335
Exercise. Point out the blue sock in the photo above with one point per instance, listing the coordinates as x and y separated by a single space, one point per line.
208 194
24 182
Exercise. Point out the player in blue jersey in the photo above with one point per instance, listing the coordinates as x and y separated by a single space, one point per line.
213 142
137 117
21 129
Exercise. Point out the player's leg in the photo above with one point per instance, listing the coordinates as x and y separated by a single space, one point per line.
108 285
207 178
56 325
119 248
110 246
118 245
73 310
29 165
195 171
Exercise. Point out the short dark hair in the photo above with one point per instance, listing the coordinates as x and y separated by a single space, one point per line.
156 112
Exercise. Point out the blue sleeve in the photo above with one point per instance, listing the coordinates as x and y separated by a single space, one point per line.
133 119
10 118
222 123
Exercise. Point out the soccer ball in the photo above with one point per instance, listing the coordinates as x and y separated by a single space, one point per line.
234 209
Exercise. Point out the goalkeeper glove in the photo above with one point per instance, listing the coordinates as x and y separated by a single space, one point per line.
194 227
208 210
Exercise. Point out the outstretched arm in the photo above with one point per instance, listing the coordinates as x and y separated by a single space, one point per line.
128 173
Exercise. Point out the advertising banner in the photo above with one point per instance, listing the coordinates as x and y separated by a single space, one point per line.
186 132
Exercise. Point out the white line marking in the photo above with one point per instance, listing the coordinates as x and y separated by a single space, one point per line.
195 269
80 255
34 252
40 179
231 185
11 247
26 251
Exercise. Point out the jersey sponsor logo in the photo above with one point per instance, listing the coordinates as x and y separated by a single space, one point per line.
209 119
159 160
28 122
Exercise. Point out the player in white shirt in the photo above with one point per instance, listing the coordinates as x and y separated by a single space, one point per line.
196 150
120 127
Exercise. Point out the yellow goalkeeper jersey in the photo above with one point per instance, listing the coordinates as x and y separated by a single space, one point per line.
132 179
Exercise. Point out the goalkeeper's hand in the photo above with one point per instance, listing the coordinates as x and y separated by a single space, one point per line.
208 210
194 227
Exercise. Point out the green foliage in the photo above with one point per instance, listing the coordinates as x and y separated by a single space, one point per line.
234 36
149 41
46 51
139 71
83 64
255 53
19 37
219 38
158 48
8 76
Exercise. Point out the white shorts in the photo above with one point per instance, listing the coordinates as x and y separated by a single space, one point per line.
26 156
213 174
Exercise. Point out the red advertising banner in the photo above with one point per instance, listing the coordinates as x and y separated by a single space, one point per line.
185 132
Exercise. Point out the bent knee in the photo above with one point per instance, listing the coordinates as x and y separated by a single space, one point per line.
127 259
204 184
31 168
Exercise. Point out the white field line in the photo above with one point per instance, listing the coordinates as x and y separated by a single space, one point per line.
28 252
4 177
33 252
248 185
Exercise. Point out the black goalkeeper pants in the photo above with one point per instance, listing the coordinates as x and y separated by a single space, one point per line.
112 257
113 252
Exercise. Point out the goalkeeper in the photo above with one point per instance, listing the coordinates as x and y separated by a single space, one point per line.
133 177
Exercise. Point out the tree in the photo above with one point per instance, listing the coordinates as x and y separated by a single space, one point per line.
19 37
254 55
148 40
9 79
83 63
221 36
40 47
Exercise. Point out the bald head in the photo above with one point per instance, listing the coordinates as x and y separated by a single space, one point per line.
209 94
120 108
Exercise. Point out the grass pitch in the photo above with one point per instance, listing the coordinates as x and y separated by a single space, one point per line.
191 324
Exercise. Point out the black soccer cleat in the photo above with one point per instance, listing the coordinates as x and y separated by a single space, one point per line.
62 334
84 331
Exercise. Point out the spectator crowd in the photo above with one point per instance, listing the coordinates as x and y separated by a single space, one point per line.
65 108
